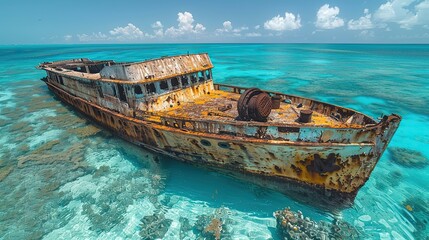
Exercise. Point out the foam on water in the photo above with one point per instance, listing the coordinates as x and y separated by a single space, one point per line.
94 186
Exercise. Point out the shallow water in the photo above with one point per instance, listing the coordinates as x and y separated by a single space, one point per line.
64 177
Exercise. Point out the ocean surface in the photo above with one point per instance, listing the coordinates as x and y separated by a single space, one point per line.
63 177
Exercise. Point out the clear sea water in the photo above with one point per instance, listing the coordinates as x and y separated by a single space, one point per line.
62 177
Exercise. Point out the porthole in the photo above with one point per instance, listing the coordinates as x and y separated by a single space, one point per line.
224 145
205 143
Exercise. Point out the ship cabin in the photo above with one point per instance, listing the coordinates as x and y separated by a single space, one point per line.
135 89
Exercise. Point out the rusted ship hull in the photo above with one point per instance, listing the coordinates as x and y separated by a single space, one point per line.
332 160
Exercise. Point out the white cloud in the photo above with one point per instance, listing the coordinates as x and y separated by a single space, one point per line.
227 26
185 26
199 28
253 34
229 29
363 23
400 12
68 37
327 17
128 32
257 27
279 23
94 37
158 29
157 24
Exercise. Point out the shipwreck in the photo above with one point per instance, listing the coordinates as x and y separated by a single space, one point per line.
171 105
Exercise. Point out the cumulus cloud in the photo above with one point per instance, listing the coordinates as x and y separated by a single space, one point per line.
185 26
94 37
363 23
128 32
327 17
280 23
402 13
227 25
68 37
227 28
158 29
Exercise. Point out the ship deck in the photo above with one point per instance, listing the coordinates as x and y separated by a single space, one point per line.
212 107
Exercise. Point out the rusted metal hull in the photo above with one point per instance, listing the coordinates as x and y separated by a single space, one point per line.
325 164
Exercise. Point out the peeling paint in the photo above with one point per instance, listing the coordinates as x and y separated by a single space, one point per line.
171 105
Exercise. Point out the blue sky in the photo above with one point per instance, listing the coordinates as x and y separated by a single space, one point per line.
162 21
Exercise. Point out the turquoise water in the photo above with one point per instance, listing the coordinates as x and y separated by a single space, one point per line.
62 177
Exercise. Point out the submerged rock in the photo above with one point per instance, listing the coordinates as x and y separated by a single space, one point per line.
293 225
154 226
408 158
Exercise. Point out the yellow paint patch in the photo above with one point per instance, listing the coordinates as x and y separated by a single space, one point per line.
409 208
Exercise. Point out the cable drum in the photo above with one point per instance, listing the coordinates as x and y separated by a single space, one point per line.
254 104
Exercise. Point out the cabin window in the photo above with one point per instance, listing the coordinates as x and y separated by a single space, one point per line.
122 95
185 81
201 76
138 89
100 91
208 75
114 90
163 85
60 79
150 88
193 77
175 82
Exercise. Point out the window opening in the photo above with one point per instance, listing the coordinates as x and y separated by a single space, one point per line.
163 85
185 81
175 83
151 88
122 95
138 89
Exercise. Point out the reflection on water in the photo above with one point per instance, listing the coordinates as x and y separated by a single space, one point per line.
64 177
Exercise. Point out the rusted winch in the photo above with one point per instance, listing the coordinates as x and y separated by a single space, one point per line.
254 104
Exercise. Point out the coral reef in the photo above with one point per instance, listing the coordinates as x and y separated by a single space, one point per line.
20 127
45 147
101 171
212 226
154 226
293 225
5 171
185 227
407 157
85 131
64 121
3 122
42 155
